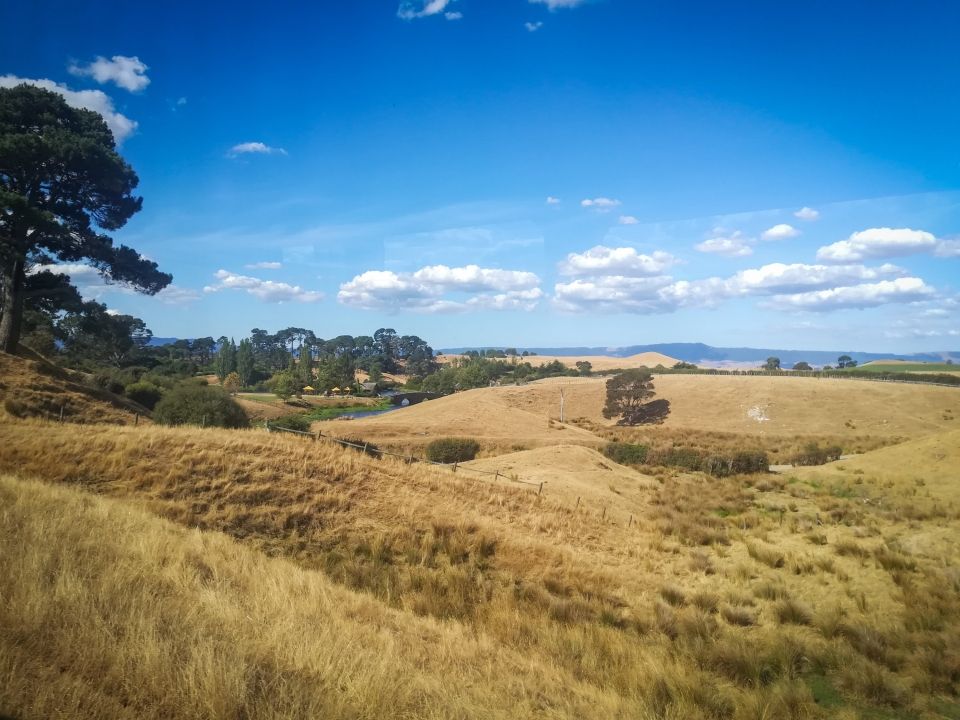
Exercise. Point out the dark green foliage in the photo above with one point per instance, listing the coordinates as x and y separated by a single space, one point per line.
688 458
626 453
292 422
205 405
750 461
145 393
450 450
88 187
107 381
813 454
627 396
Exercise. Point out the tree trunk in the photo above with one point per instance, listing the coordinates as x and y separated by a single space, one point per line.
12 318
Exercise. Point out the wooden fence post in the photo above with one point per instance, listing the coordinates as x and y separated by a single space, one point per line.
61 413
540 490
497 474
455 462
578 503
604 515
630 524
136 419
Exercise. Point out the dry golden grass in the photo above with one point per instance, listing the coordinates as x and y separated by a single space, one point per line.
109 612
667 617
34 387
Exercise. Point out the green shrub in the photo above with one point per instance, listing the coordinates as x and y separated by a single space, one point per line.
192 404
145 393
750 461
626 453
106 381
813 454
292 422
451 450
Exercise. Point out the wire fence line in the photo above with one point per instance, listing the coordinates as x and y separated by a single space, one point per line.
366 448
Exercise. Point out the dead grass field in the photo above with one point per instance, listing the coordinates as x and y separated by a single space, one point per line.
748 597
180 572
779 414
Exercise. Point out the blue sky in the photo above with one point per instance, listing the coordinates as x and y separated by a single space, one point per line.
561 172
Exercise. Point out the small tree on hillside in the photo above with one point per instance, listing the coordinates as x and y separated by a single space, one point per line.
584 367
627 398
845 361
802 365
245 363
283 385
773 363
226 360
231 383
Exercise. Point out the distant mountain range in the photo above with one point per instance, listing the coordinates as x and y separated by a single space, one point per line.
707 354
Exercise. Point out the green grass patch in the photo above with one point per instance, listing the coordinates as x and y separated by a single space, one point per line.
329 413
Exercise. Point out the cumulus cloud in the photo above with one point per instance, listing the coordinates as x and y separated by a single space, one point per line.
128 73
878 243
728 244
556 4
254 148
266 265
780 232
265 290
533 26
618 280
429 289
947 248
899 290
412 9
121 126
176 295
551 200
628 220
622 261
602 204
807 213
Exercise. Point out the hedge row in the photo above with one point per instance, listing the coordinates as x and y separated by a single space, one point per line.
744 461
451 450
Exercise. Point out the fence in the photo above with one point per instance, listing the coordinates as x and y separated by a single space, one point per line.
406 458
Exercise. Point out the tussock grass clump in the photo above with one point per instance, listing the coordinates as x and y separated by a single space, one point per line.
673 595
765 554
738 615
789 611
706 601
850 548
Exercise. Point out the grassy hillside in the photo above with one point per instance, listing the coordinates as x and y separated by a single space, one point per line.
748 597
34 387
895 366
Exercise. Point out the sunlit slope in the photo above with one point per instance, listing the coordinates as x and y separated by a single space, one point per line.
788 405
740 404
926 470
738 597
573 471
110 612
34 387
483 414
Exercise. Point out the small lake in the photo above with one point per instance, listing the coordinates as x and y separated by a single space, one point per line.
366 413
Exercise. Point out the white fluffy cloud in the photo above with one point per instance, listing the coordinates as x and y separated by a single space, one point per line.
947 248
807 213
121 126
899 290
429 289
254 148
602 204
555 4
728 244
781 231
628 220
533 26
412 9
266 265
621 261
551 200
265 290
878 243
619 280
128 73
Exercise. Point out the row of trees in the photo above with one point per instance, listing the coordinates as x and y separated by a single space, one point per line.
297 356
844 361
